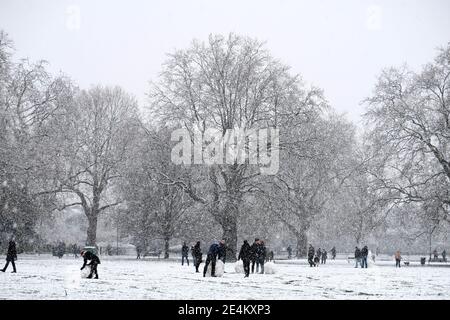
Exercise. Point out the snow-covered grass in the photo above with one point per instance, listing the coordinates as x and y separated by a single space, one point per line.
46 277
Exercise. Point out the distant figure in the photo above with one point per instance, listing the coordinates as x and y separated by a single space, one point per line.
311 255
109 250
319 253
262 251
270 256
444 255
398 258
75 250
377 251
357 256
364 254
184 253
216 251
61 249
333 253
245 255
316 261
435 254
95 261
324 257
289 250
138 251
11 255
197 255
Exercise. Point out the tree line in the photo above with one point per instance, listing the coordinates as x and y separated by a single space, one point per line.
95 150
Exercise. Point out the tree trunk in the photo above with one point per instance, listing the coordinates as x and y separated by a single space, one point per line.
230 237
92 230
166 248
302 244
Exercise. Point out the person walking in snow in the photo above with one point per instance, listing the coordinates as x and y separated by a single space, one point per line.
75 250
270 256
333 253
444 256
311 255
197 255
254 255
245 255
398 258
324 256
357 257
184 253
215 251
11 255
435 254
364 254
289 250
262 252
94 262
319 253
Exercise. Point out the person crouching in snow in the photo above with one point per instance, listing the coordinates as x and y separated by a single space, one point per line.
245 254
215 251
87 255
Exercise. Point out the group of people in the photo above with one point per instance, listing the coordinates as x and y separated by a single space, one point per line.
251 256
436 255
361 256
60 249
255 254
320 256
11 257
216 251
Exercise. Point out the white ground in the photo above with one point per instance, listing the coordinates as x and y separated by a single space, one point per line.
46 277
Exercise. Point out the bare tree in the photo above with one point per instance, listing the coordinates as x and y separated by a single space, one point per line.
222 84
155 210
408 115
88 147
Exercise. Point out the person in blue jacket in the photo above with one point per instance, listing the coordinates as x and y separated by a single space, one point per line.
216 251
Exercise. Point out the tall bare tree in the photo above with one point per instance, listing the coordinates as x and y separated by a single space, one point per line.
224 83
88 147
409 118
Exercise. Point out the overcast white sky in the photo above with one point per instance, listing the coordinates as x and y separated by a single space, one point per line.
338 45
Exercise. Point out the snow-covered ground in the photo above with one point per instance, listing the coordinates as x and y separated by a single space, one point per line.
46 277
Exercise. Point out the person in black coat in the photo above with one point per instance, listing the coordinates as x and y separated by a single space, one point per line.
184 253
254 255
333 253
262 252
289 250
364 254
245 255
216 250
311 252
87 255
11 255
197 255
357 257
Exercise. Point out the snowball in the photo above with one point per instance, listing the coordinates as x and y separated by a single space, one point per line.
269 268
239 266
85 272
220 266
